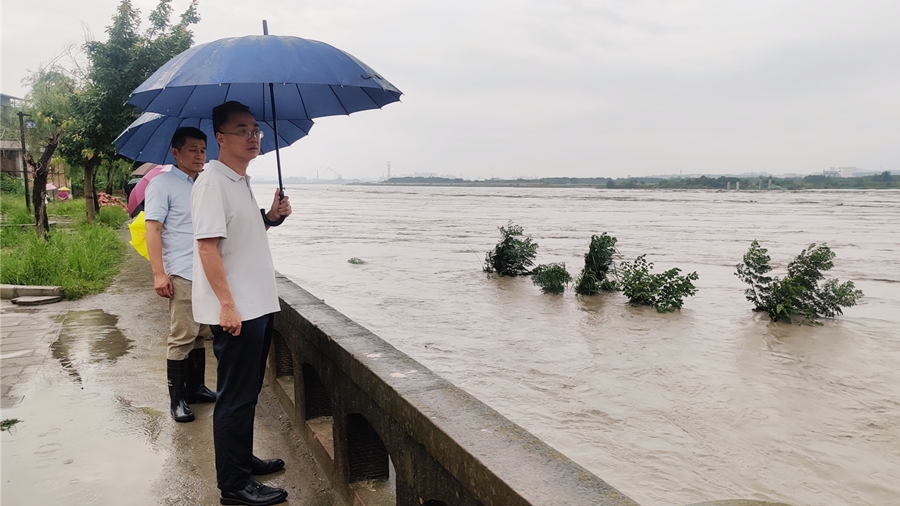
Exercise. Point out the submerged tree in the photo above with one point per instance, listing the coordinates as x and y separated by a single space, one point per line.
664 291
513 255
598 274
753 272
552 278
804 292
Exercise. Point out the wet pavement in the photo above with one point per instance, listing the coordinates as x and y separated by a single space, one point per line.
86 380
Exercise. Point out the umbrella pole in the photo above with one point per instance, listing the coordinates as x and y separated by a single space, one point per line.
275 126
277 152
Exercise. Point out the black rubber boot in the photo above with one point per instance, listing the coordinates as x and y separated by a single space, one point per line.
195 378
175 370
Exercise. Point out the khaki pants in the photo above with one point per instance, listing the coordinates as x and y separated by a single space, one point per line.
185 334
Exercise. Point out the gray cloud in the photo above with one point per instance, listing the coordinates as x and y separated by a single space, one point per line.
610 88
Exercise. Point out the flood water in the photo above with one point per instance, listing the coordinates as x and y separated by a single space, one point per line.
712 402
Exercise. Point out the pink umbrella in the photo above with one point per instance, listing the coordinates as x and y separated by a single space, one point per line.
136 198
50 186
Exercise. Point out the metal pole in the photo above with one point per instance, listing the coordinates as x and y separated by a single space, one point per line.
24 163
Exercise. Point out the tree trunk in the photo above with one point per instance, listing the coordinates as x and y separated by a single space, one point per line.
89 197
109 179
39 191
96 193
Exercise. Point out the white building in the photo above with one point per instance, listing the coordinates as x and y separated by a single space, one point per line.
840 172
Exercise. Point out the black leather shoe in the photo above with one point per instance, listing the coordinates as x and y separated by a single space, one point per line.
255 494
259 466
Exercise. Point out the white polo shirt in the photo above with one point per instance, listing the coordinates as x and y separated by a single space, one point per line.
222 205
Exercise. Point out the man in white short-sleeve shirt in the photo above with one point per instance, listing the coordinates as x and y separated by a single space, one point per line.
234 292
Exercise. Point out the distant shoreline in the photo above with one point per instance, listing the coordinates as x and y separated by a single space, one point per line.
881 181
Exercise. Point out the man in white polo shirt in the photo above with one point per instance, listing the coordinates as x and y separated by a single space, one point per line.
170 243
235 292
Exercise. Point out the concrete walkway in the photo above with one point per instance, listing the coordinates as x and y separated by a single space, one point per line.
86 379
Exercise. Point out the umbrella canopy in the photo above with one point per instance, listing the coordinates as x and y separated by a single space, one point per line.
311 80
136 197
143 169
50 186
149 138
138 229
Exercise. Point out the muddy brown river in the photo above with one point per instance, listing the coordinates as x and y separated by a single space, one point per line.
712 402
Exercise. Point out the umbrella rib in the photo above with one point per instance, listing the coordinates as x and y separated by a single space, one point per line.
152 133
331 87
302 102
264 102
366 91
188 99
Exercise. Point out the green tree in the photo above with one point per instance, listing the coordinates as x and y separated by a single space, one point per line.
753 272
48 104
804 292
552 278
598 274
116 67
513 255
664 291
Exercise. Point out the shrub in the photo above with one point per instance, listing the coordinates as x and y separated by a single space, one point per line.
74 208
804 292
12 185
665 291
82 260
598 274
112 217
513 255
552 278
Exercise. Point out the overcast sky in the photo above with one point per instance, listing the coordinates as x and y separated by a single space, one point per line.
612 88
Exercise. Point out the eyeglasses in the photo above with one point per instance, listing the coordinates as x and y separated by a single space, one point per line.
247 134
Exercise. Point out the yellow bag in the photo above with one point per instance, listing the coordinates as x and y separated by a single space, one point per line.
138 229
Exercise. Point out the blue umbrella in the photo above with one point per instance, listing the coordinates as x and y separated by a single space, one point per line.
149 138
307 78
311 79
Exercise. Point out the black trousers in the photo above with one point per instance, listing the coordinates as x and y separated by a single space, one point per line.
241 369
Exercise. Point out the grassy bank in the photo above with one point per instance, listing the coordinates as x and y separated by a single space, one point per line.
81 257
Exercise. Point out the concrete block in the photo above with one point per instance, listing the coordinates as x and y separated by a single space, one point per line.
13 291
36 300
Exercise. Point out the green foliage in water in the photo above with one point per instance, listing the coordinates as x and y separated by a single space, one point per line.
9 423
804 293
356 261
664 291
598 274
513 255
552 278
753 272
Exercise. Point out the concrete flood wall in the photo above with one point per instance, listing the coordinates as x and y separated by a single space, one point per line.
389 431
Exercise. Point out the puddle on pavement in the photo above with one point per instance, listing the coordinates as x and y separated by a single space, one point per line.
80 441
88 337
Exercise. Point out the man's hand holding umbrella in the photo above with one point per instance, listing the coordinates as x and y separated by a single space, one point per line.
281 209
